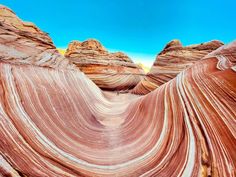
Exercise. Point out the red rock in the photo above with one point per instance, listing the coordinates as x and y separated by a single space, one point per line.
110 71
171 61
57 122
23 42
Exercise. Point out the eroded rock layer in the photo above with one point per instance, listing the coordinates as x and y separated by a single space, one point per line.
56 122
23 42
110 71
171 61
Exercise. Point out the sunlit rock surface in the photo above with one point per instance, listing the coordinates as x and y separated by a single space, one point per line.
110 71
171 61
55 122
23 42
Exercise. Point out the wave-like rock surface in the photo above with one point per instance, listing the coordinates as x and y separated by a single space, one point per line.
23 42
171 61
110 71
58 123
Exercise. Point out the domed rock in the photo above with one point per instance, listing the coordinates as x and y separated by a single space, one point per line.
110 71
173 59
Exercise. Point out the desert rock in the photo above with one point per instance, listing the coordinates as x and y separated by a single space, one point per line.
171 61
110 71
23 42
56 122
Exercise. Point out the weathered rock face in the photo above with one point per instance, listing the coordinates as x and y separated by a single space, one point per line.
58 123
110 71
171 61
23 42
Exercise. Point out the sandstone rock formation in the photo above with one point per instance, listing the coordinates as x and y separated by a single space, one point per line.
23 42
171 61
110 71
57 122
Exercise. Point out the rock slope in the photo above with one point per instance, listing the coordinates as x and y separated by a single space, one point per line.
171 61
57 122
110 71
23 42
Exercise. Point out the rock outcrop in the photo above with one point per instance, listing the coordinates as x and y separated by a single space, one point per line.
57 122
23 42
171 61
110 71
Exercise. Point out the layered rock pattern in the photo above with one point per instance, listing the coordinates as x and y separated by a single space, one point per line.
110 71
23 42
57 122
171 61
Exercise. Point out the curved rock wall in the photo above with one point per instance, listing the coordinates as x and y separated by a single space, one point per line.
54 121
171 61
58 123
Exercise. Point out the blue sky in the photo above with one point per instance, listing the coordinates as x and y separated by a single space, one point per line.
140 28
